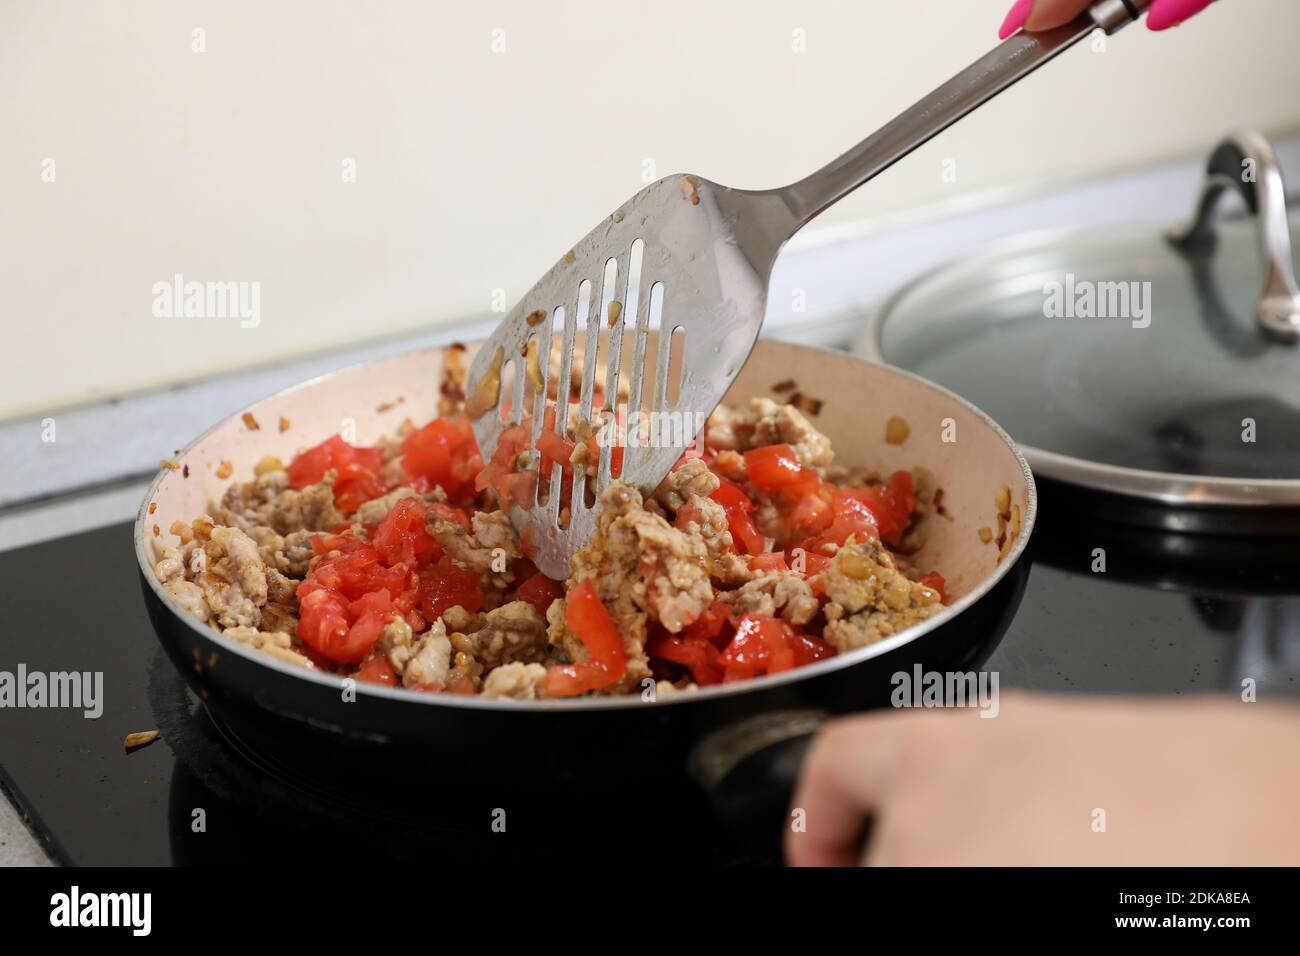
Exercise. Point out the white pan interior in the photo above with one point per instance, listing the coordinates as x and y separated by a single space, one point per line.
970 458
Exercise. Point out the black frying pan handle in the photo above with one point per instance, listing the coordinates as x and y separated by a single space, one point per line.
749 771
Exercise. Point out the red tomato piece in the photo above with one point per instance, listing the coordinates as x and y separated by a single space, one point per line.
714 625
587 618
555 449
934 580
356 470
738 506
358 573
696 655
811 515
732 497
540 591
769 561
378 670
445 584
402 537
891 504
340 630
443 453
744 534
773 467
767 645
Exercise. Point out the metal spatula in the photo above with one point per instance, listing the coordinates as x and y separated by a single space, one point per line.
692 259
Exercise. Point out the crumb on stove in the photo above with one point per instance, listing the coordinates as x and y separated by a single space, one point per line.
250 422
897 430
140 739
224 469
169 463
284 424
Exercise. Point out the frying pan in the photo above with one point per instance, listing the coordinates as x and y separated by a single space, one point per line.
300 717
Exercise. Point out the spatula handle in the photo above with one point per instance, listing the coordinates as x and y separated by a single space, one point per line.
1012 60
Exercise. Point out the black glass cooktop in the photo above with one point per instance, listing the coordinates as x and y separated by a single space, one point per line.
1169 615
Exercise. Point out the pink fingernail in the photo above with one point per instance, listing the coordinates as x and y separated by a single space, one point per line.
1170 13
1016 18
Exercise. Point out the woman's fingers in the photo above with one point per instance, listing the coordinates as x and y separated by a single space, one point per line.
845 777
1036 15
1169 13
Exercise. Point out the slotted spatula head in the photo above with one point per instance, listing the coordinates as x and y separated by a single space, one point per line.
698 256
679 270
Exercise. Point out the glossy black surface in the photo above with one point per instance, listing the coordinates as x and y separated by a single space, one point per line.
93 803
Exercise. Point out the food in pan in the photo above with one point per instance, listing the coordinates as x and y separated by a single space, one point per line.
397 565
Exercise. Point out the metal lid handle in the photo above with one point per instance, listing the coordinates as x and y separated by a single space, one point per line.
1245 162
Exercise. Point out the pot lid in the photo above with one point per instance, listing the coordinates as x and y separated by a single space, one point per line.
1136 362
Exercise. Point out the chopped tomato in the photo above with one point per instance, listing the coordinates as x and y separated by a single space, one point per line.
443 453
811 515
732 497
695 654
540 591
344 542
519 488
356 469
378 670
450 513
445 584
890 504
714 625
852 516
586 617
934 580
738 506
358 573
341 630
767 645
555 449
402 537
772 467
769 561
510 443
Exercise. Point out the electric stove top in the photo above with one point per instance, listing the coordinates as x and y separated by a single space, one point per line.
1168 615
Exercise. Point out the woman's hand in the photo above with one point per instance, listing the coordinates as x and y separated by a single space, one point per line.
1034 15
1055 780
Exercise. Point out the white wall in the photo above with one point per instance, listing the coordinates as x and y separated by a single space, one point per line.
475 169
